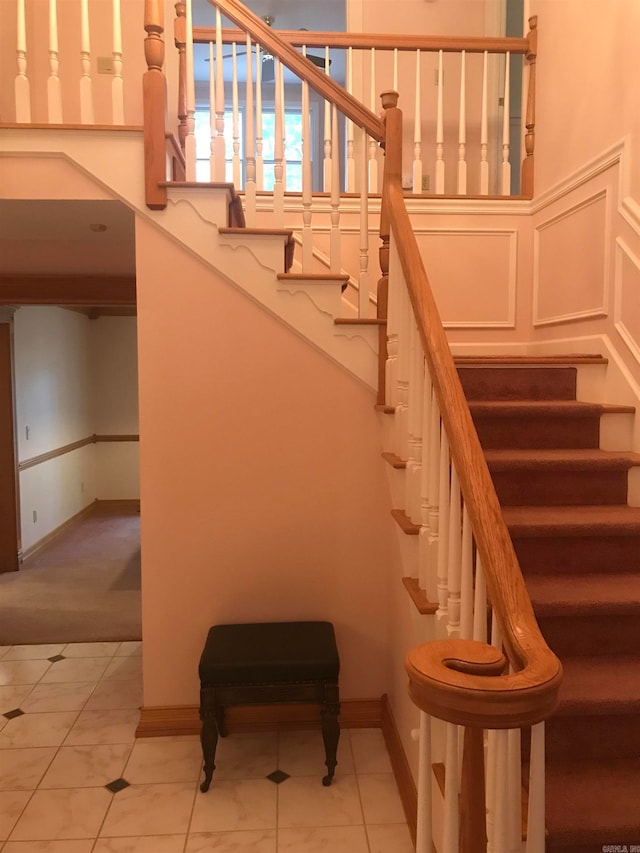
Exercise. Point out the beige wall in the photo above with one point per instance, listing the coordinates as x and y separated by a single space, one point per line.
263 490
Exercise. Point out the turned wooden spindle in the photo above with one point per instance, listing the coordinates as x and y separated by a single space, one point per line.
530 121
154 105
180 40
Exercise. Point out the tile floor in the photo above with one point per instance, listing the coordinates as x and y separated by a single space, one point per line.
74 780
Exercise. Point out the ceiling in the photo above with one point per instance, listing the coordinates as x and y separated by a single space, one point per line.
288 14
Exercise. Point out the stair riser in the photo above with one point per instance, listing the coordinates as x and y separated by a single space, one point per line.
517 432
513 383
567 554
560 488
571 636
593 738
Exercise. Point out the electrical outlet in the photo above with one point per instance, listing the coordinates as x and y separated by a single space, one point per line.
81 488
35 516
27 432
105 64
425 183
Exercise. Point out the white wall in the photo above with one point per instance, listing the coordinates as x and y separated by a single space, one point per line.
75 377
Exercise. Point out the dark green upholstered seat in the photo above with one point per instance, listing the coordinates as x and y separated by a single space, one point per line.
266 662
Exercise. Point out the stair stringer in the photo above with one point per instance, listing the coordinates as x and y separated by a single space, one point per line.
113 160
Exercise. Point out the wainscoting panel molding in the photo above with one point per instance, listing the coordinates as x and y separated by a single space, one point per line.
74 445
626 296
573 285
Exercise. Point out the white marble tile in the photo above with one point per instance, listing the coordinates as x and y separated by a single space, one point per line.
129 648
304 801
37 730
76 669
302 753
247 756
11 805
95 727
86 766
235 804
115 695
324 839
13 695
22 671
380 799
90 650
143 844
68 846
390 838
34 652
69 813
177 761
150 810
241 841
58 697
124 669
369 751
4 650
22 769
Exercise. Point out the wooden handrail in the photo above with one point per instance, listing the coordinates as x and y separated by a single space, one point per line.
381 41
464 681
302 67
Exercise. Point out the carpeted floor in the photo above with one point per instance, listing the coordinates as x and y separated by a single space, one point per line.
84 587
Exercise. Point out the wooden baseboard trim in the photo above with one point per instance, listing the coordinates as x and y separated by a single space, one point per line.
96 506
184 719
400 765
53 534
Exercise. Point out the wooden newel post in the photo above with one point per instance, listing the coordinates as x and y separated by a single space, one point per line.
530 136
473 820
154 105
180 39
392 120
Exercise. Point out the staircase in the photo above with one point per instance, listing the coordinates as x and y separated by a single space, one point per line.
578 543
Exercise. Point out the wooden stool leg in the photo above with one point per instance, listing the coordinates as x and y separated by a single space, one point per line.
330 730
208 735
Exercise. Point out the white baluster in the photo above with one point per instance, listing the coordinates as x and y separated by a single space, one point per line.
424 816
462 128
236 117
417 130
307 195
190 139
416 408
506 166
21 84
401 418
212 113
442 616
351 163
117 84
220 165
259 155
480 604
54 94
494 761
514 791
86 93
395 279
250 142
327 132
536 810
373 150
500 834
451 792
395 69
363 278
283 113
455 546
435 438
440 129
484 139
466 579
335 196
278 169
425 474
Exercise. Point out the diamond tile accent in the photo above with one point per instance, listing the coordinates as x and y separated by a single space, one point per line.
10 715
278 776
117 785
56 658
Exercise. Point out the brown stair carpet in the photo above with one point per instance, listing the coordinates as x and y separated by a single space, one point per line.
578 542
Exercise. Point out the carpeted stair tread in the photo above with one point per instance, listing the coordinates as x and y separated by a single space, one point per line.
593 802
600 685
572 520
543 408
559 459
589 594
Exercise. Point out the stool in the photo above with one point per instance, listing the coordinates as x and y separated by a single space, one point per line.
265 662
